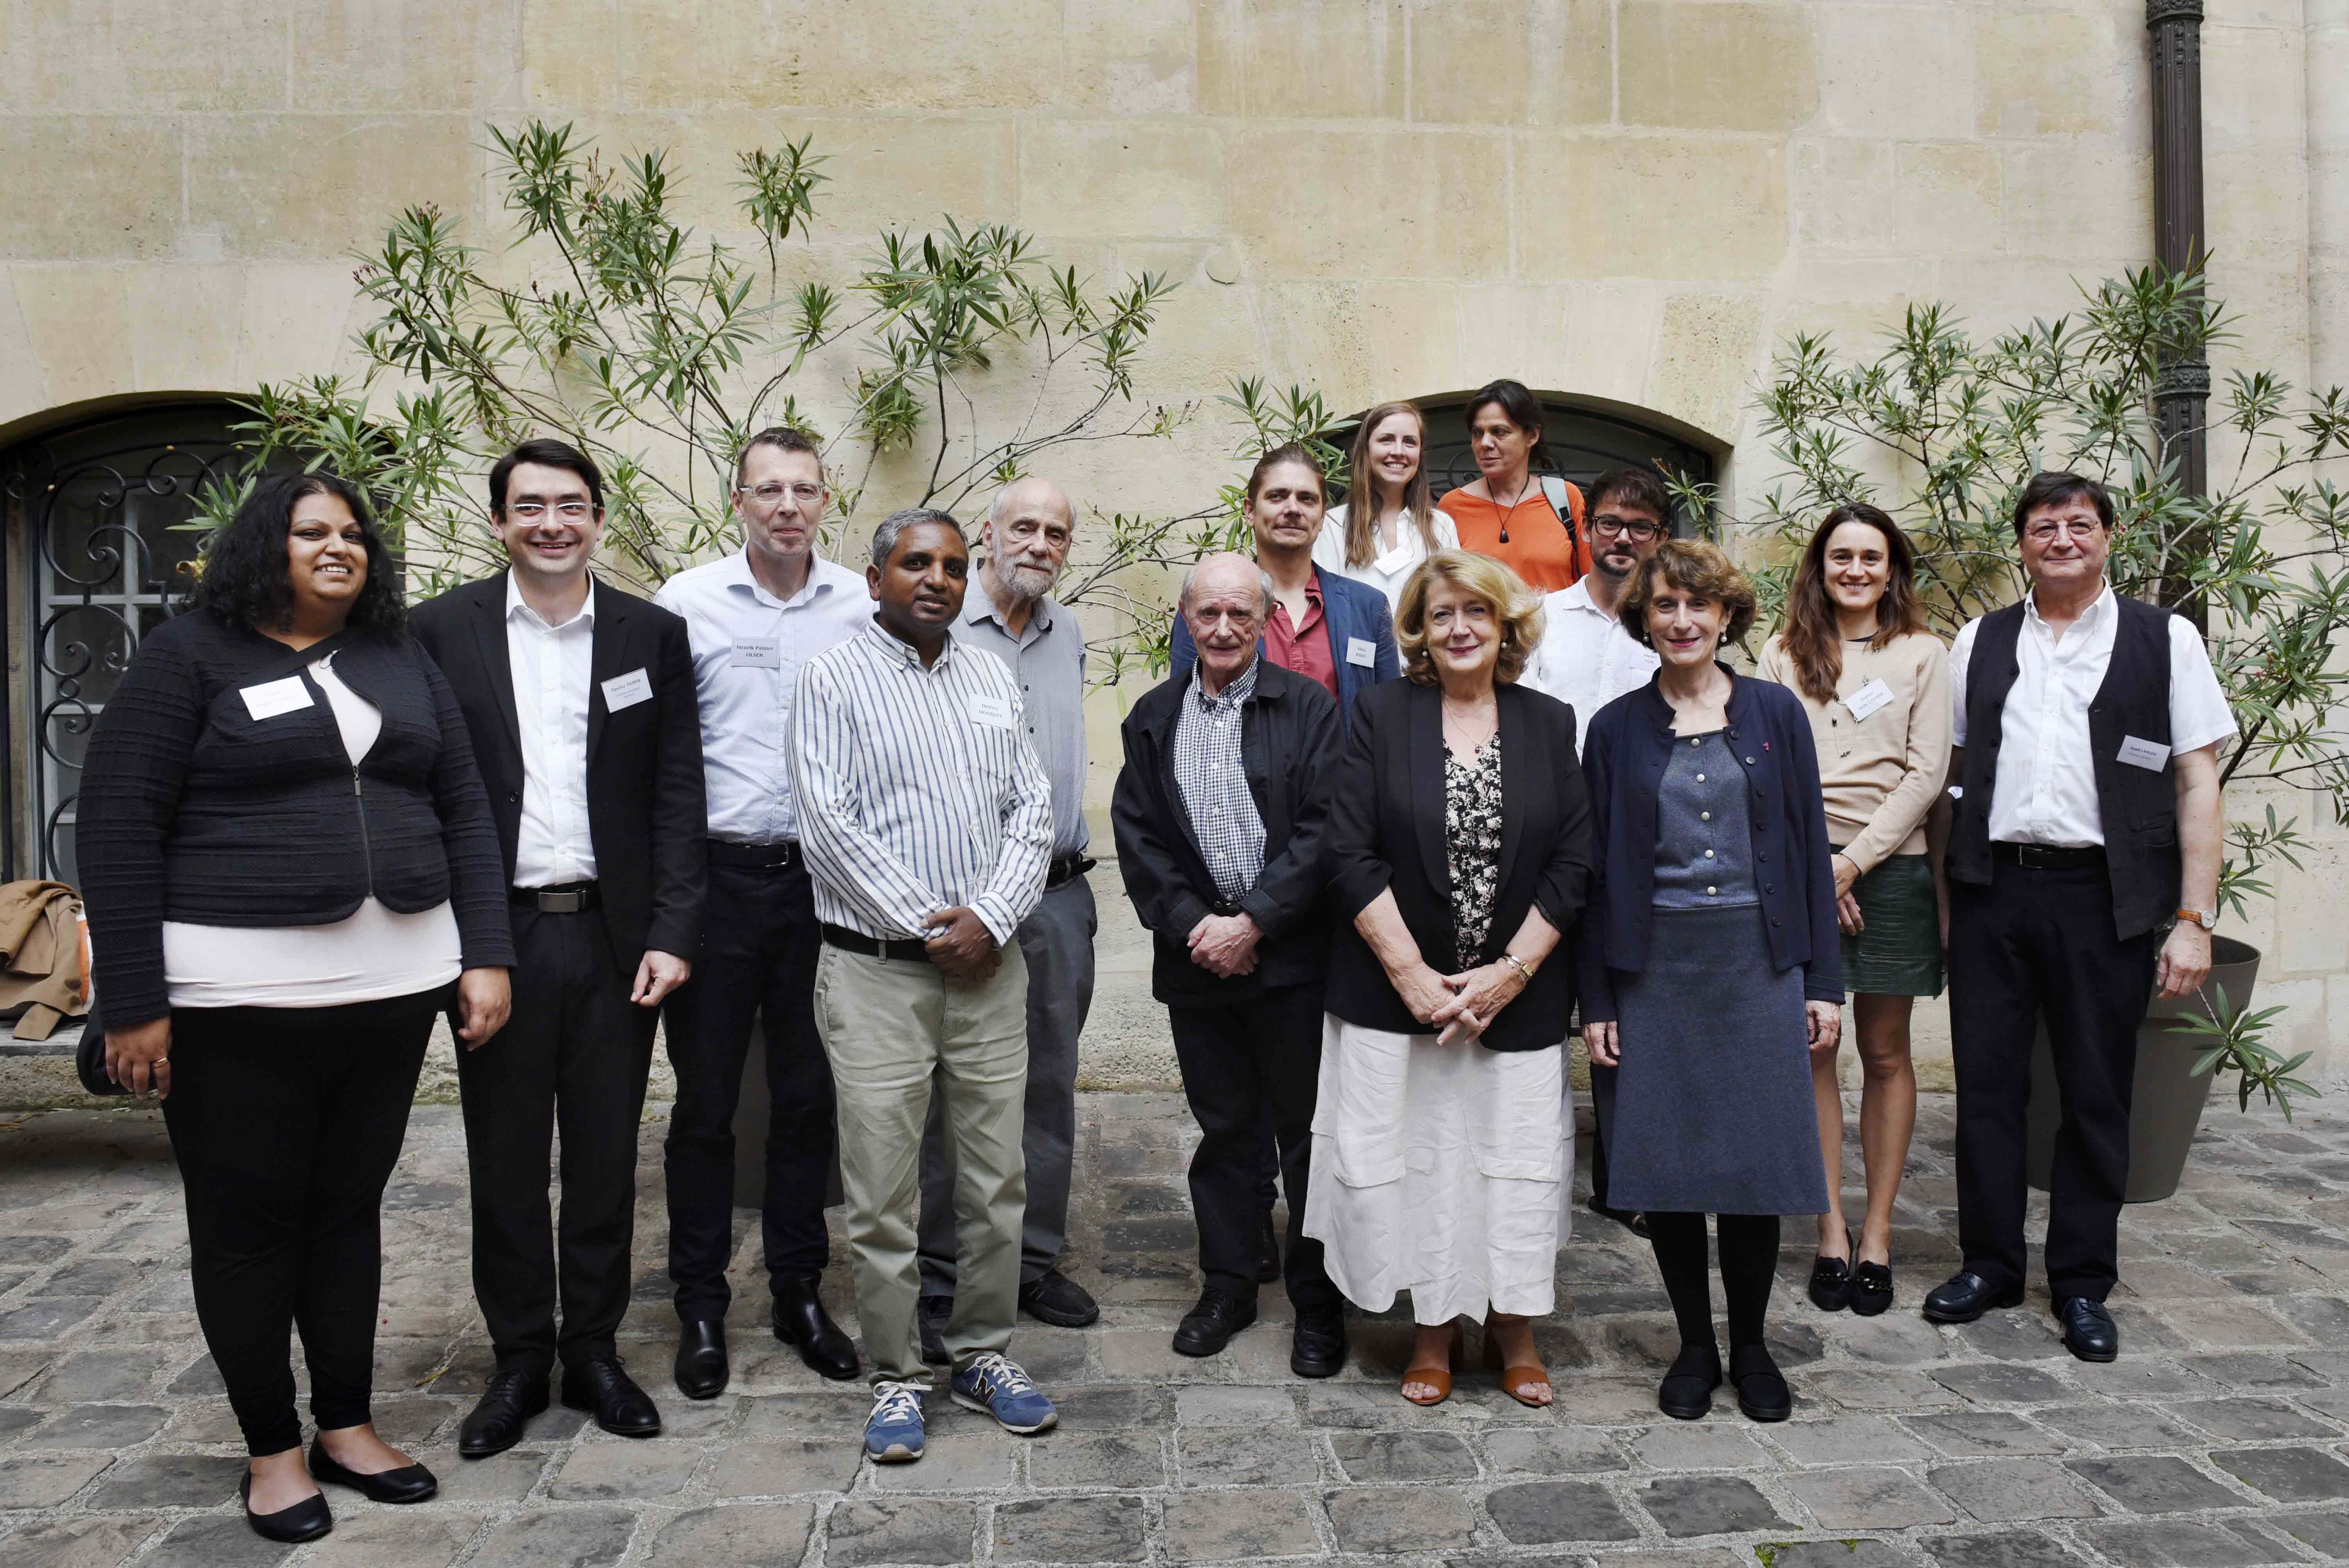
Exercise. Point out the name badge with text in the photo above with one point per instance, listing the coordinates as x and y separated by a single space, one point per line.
759 653
271 698
2143 754
1361 651
627 691
1394 559
1869 698
991 711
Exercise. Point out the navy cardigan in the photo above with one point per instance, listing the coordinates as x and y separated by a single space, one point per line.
1623 759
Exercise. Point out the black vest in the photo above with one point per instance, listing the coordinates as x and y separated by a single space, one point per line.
2139 805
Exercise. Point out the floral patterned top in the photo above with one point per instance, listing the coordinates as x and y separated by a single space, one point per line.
1472 836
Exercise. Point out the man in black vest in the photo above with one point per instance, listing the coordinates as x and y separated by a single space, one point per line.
2087 728
581 703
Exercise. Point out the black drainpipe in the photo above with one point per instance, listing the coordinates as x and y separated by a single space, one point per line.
2182 391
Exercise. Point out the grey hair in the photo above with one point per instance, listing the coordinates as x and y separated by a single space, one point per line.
1263 584
884 538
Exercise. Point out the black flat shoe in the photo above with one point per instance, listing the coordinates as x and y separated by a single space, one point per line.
1686 1392
801 1322
1966 1296
305 1521
1208 1327
1761 1391
409 1483
1871 1288
603 1389
1267 1252
701 1370
498 1422
1053 1297
2089 1331
1318 1347
1632 1221
1831 1279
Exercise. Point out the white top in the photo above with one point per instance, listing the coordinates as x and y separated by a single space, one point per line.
749 648
1586 659
1387 573
2045 788
368 956
551 665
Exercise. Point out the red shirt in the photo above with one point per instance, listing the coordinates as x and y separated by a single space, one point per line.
1304 648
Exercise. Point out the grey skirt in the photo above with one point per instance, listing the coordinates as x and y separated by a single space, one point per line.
1713 1101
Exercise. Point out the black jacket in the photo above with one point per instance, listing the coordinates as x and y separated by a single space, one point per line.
646 812
1628 747
191 809
1387 831
1288 738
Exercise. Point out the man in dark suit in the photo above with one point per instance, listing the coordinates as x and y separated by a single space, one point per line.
1220 813
581 703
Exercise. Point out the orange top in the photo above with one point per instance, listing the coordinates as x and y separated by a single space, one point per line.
1538 550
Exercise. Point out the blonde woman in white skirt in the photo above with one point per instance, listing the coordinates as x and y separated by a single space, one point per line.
1460 850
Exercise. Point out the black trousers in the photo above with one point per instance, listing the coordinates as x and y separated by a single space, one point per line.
2033 944
1602 1117
759 948
285 1122
1238 1062
574 1054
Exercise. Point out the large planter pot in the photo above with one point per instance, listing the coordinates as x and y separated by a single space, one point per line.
2166 1106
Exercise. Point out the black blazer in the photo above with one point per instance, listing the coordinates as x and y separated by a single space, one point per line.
1387 831
1288 740
646 812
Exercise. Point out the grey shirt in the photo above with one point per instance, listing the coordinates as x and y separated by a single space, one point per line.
1049 662
1704 838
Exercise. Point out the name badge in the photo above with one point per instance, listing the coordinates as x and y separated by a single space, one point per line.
759 653
271 698
991 711
627 691
1361 651
2143 754
1394 559
1868 699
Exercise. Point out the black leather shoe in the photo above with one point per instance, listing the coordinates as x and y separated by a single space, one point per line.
1267 1250
1637 1224
801 1322
701 1370
1761 1391
604 1389
1318 1347
409 1483
1966 1296
1830 1287
305 1521
1053 1297
1207 1327
1686 1392
1871 1288
497 1423
931 1315
2089 1331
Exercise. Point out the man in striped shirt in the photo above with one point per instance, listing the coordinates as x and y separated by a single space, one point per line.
926 821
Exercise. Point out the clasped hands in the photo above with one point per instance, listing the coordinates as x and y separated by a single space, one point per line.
1460 1006
1225 945
960 945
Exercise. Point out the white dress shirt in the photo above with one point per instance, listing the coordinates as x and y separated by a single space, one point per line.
2044 792
749 648
1386 572
1586 659
551 666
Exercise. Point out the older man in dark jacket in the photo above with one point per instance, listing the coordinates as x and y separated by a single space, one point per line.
1220 814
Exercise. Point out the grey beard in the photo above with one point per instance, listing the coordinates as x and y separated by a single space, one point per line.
1027 583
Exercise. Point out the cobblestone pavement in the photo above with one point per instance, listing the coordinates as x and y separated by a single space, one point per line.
2218 1439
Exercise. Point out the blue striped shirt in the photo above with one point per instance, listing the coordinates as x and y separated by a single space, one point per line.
917 788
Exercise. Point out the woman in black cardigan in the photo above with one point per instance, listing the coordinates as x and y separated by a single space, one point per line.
1459 849
290 867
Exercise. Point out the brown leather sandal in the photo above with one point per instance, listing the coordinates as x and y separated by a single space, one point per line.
1436 1378
1519 1377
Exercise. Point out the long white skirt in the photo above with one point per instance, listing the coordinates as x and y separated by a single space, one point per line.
1444 1171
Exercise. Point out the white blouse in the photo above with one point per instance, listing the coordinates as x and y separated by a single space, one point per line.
1387 573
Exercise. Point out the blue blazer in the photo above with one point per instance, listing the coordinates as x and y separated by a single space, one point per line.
1350 610
1623 759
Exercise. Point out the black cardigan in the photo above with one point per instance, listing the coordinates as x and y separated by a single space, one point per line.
194 810
1387 831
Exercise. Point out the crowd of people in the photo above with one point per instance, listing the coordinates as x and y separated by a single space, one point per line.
1433 783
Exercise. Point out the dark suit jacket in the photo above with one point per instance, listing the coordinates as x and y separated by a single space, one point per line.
1387 831
1288 738
1351 610
646 812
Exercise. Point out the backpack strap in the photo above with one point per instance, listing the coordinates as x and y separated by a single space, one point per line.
1565 500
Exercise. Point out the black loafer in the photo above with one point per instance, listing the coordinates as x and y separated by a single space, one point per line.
1267 1255
409 1483
1631 1219
498 1422
1318 1347
1761 1391
603 1389
931 1315
1053 1297
1966 1296
801 1322
1871 1288
701 1370
1686 1392
1830 1288
305 1521
2089 1331
1207 1327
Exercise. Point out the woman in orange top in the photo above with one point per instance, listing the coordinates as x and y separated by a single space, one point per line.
1505 513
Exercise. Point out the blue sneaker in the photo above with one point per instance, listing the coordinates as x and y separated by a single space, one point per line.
994 1386
892 1434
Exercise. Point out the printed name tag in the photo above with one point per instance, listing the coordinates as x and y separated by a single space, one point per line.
991 711
271 698
2143 753
759 653
627 691
1394 559
1361 651
1869 698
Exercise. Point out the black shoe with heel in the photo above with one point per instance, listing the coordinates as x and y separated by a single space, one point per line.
409 1483
701 1370
305 1521
1830 1287
1686 1392
801 1322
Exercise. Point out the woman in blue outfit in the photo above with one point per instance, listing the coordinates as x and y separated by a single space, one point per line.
1715 968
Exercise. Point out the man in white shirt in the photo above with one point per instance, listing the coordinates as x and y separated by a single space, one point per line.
756 619
2083 864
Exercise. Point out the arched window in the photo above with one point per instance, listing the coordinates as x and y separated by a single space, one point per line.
1586 441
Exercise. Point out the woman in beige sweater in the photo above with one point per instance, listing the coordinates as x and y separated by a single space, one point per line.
1877 686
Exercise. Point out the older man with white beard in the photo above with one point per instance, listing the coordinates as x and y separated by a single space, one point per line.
1011 614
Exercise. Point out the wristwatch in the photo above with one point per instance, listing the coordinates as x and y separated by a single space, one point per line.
2207 919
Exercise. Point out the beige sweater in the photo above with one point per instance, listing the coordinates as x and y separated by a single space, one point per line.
1880 774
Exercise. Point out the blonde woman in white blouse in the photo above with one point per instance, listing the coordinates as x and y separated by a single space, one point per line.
1389 523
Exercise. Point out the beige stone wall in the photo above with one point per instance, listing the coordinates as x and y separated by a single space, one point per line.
1628 200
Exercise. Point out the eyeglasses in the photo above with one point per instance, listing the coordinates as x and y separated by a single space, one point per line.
1622 528
2046 531
769 493
531 510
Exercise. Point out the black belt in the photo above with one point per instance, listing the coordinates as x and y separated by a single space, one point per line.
1068 868
757 857
2045 858
571 898
849 940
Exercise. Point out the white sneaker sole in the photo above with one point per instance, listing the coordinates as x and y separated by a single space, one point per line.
969 1403
894 1454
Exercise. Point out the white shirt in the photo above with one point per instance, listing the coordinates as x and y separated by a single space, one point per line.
1586 659
551 665
1387 573
749 648
2044 792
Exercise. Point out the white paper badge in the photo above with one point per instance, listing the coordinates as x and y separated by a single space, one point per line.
271 698
1394 559
2143 753
1361 651
991 711
627 691
759 653
1869 698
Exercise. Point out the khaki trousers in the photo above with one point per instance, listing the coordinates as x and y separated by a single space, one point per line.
892 1028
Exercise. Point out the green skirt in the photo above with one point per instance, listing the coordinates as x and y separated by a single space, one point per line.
1899 952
